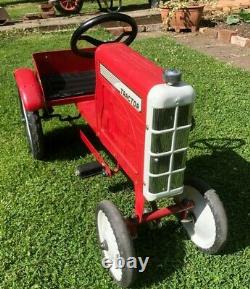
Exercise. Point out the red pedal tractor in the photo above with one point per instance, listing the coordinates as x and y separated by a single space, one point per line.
69 7
142 115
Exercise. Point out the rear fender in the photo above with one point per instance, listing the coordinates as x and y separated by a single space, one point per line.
29 88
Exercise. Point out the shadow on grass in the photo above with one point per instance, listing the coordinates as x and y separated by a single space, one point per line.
229 174
134 7
221 167
116 188
165 250
65 144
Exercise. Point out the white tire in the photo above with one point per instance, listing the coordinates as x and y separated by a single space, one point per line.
34 132
206 223
115 241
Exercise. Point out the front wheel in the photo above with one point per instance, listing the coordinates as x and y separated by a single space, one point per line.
116 243
206 223
34 132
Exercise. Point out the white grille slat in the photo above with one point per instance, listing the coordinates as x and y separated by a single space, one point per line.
168 153
167 173
170 129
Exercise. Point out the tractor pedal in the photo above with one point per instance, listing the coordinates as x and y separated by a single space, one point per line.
88 170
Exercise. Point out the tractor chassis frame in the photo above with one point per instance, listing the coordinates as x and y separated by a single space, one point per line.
182 208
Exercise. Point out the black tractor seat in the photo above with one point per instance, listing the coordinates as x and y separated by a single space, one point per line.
64 85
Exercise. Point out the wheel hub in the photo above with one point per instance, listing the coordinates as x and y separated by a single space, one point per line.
190 218
104 246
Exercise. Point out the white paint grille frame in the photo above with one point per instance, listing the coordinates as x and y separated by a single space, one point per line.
152 103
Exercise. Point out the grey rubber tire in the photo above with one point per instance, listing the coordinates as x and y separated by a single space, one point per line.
209 228
34 132
109 216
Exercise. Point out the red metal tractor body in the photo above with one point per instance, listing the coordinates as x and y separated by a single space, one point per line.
116 120
142 116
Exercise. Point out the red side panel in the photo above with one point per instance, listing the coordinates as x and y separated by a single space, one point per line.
121 127
29 89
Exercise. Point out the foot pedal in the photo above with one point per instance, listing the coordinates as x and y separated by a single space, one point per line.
88 170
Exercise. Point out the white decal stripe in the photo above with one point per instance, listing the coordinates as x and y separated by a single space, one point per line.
109 75
125 92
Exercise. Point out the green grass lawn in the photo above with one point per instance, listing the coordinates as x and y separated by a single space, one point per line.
18 8
47 215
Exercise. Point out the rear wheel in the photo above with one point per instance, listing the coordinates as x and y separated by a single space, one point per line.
34 132
113 6
68 7
116 242
206 223
110 5
154 3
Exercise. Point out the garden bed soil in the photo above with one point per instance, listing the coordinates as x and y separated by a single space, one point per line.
207 44
242 29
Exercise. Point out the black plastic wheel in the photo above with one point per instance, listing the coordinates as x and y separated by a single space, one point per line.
154 3
115 6
206 223
34 132
108 5
80 34
115 241
68 7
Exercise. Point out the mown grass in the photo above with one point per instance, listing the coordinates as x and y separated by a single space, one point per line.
47 215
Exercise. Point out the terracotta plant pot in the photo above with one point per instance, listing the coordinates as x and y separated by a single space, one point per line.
183 18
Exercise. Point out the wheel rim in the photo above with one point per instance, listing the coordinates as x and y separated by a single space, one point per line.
106 235
202 230
69 5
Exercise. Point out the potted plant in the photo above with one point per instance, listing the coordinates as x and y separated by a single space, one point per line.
181 14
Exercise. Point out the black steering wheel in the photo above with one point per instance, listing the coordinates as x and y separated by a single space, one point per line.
80 32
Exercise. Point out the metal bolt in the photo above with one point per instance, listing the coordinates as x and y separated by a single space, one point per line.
104 245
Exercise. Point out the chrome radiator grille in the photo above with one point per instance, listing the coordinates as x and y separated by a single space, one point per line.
169 142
